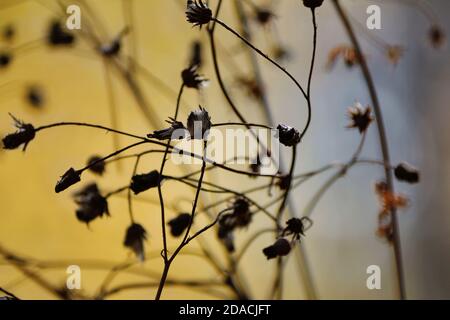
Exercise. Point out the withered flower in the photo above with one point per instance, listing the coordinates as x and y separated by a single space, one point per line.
280 248
361 118
312 3
68 179
144 182
176 131
134 239
5 59
251 86
295 227
23 135
198 13
96 165
389 201
407 173
241 212
91 204
394 54
284 182
198 124
57 36
35 96
179 224
288 136
347 53
436 36
192 79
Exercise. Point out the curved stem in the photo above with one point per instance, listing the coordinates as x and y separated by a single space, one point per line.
383 142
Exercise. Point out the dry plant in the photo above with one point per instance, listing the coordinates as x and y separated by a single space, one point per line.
237 209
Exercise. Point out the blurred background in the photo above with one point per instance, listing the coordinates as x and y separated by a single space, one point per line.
72 85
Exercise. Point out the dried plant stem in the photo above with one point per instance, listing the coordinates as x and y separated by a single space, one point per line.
168 261
383 141
160 195
303 261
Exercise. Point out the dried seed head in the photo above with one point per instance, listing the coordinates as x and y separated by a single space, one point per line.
295 226
394 54
312 3
144 182
96 165
407 173
436 36
360 117
264 16
280 53
176 131
199 124
5 59
280 248
241 212
22 136
57 36
179 224
192 79
69 178
8 32
284 182
134 239
288 136
35 96
198 13
91 204
196 54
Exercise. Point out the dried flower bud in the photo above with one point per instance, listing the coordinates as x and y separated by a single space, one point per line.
179 224
284 182
312 3
23 135
134 239
192 79
111 49
198 124
280 53
35 96
58 36
407 173
394 54
198 13
241 213
295 226
288 136
361 118
176 131
144 182
196 54
96 165
5 59
91 204
8 32
437 36
280 248
251 86
67 180
264 16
